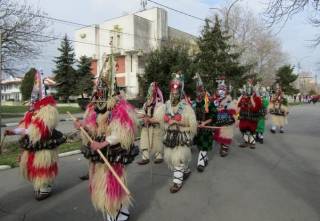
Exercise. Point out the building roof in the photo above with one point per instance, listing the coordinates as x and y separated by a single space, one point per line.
135 14
11 80
49 81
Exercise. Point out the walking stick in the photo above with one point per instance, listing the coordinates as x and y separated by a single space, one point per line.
210 127
103 158
150 148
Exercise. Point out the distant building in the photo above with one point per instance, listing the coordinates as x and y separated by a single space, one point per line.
306 82
132 37
10 89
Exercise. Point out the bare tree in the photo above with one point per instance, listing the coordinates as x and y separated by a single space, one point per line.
279 11
259 47
23 31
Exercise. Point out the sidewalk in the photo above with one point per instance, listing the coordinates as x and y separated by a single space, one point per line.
11 122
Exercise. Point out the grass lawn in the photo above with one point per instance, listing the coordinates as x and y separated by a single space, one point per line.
11 153
17 111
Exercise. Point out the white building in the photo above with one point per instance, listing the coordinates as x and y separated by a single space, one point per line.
132 37
10 89
306 82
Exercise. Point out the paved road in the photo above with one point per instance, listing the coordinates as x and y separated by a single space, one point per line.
279 181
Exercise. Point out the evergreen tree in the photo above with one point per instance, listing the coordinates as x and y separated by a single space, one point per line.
284 77
65 74
27 84
218 57
84 76
161 63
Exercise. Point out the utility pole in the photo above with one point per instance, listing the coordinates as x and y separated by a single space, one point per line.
0 88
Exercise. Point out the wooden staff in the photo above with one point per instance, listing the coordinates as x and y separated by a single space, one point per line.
210 127
103 157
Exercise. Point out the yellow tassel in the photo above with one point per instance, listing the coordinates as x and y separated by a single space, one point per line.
206 103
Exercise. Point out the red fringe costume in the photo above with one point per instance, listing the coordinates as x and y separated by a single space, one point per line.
117 125
40 141
249 115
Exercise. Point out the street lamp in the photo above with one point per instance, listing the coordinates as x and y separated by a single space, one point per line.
227 13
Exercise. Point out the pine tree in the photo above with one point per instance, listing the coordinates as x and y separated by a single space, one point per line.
284 77
218 57
84 76
27 84
65 74
161 63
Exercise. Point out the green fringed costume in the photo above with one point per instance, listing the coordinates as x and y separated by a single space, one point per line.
262 122
204 138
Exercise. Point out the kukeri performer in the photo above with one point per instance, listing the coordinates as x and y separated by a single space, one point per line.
226 111
40 141
249 104
263 93
178 120
278 110
206 114
111 123
151 133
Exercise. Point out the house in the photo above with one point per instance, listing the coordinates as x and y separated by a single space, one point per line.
10 89
130 38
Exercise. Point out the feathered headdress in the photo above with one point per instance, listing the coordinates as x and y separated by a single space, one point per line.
38 90
177 84
154 94
201 92
248 88
106 85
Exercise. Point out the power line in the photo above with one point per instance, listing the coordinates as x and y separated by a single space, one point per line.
176 10
75 41
88 26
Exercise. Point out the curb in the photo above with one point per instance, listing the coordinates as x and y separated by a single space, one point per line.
66 154
4 167
70 153
16 124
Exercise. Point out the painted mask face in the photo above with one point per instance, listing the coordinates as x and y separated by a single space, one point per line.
200 93
175 92
221 93
152 93
100 99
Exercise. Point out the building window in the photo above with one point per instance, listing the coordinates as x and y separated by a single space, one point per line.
118 41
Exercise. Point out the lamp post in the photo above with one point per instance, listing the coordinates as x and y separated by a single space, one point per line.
227 12
0 88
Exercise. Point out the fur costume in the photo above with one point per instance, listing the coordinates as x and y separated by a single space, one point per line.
40 153
112 124
278 110
180 154
225 120
151 134
178 120
250 105
118 126
39 141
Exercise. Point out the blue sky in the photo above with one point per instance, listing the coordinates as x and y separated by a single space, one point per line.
294 36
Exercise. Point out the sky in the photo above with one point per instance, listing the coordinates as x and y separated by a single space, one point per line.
295 36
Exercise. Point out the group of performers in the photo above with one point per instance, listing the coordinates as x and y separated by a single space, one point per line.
169 129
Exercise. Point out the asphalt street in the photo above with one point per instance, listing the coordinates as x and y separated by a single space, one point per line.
278 181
